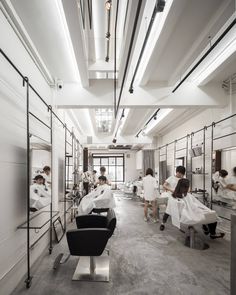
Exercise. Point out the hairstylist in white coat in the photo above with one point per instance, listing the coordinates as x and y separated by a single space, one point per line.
170 185
150 194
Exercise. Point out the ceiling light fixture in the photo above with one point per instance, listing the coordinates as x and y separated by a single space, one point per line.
155 119
159 7
108 35
108 5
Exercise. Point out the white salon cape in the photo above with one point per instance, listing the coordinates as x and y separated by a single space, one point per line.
149 188
40 196
188 210
101 197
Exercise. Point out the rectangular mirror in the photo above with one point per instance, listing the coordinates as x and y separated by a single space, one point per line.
40 173
223 164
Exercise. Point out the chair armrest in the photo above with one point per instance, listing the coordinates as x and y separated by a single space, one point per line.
87 241
91 221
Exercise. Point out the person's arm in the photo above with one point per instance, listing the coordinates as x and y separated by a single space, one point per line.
232 187
167 187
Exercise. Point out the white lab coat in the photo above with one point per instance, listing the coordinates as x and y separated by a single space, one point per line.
40 196
172 182
150 188
190 211
101 197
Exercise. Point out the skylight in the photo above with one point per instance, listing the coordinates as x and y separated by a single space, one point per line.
103 118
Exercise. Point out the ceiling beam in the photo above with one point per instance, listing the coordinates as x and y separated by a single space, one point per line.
100 94
78 39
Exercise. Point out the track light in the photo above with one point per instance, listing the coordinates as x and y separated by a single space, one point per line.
155 117
108 5
114 140
123 115
108 35
160 5
107 59
131 90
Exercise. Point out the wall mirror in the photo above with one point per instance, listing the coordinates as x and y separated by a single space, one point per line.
40 173
223 162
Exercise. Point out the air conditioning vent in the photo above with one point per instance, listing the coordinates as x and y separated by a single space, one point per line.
120 147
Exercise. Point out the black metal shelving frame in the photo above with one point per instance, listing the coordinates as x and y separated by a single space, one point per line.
28 86
212 139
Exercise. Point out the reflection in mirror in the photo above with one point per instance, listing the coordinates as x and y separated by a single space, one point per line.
224 177
58 229
40 173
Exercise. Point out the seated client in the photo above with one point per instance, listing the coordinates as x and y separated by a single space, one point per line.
101 197
186 209
40 195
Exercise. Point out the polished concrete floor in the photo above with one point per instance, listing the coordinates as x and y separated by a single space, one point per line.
143 260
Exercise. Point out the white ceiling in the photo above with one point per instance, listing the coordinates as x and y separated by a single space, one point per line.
77 55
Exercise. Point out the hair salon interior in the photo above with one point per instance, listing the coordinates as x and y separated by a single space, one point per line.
92 94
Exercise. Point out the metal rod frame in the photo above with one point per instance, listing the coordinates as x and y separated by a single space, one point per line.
29 86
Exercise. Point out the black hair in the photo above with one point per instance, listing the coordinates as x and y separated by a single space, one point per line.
234 170
46 168
223 173
94 171
180 169
102 169
103 178
181 188
37 177
149 171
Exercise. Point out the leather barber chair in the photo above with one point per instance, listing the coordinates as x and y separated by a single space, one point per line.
89 241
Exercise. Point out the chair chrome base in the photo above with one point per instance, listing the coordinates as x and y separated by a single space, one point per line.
95 269
193 243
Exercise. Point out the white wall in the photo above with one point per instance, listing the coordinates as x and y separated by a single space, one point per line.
131 173
13 156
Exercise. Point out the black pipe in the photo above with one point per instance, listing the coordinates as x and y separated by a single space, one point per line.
51 139
148 121
34 90
90 11
117 9
233 133
29 278
215 123
129 53
12 64
65 181
131 90
108 33
206 54
41 121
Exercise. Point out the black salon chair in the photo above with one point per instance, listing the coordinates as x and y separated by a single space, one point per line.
89 241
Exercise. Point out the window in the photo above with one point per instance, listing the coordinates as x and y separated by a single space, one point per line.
114 165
